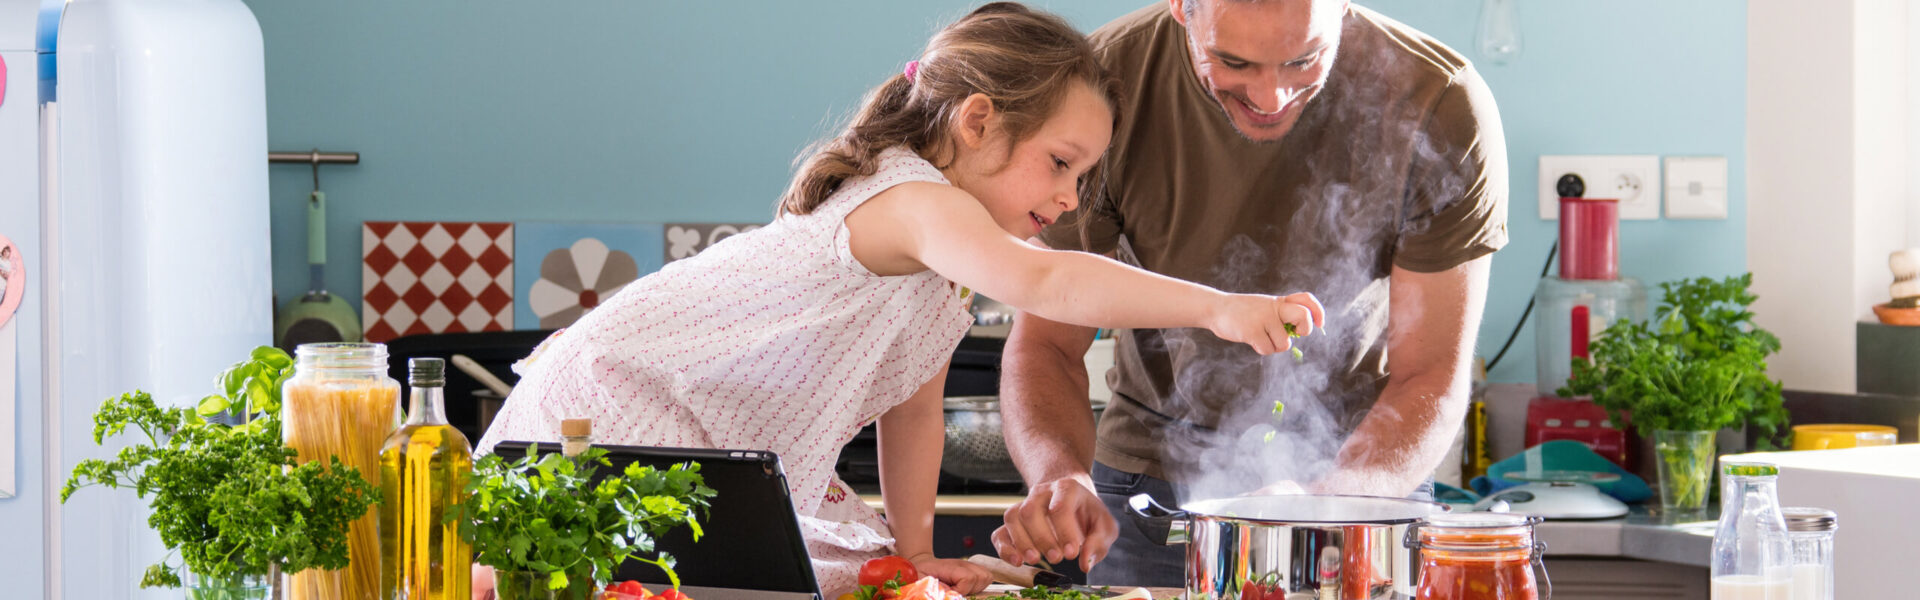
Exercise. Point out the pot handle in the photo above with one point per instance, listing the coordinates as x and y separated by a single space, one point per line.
1160 524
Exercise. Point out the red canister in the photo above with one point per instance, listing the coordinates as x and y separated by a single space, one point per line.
1589 238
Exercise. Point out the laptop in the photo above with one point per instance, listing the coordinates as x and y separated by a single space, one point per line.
752 548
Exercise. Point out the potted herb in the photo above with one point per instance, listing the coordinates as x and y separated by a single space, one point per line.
228 497
550 529
1698 367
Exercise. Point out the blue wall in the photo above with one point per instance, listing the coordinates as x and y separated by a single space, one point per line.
694 111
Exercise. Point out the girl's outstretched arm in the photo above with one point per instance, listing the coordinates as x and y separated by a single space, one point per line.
916 226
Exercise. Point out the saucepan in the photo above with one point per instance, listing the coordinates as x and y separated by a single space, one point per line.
1290 547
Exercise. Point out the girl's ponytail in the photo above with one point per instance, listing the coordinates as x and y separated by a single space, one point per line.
853 153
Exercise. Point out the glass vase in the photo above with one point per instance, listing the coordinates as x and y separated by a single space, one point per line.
238 587
523 585
1686 468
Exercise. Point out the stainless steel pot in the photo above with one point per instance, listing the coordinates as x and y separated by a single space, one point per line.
1291 547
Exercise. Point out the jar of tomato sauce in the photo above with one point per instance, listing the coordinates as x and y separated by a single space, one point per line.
1479 556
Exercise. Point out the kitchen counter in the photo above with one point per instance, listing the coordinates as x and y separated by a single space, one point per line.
958 505
1641 535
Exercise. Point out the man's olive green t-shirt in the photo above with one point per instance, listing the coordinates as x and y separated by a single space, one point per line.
1399 161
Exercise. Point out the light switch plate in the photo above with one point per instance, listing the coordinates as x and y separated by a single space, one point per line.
1633 179
1696 187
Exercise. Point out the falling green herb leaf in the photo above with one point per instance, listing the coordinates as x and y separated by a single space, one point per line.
1292 333
1269 437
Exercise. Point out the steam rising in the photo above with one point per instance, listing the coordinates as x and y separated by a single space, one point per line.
1339 246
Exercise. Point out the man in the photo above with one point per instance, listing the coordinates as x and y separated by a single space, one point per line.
1264 146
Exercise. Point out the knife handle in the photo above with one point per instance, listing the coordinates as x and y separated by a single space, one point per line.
1005 572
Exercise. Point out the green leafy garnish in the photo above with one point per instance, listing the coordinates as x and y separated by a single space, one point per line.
1046 593
1699 365
229 498
547 514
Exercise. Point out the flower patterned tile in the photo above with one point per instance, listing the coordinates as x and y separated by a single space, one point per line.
569 268
687 239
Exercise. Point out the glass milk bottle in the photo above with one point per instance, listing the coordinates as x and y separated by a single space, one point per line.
1811 530
424 469
1752 556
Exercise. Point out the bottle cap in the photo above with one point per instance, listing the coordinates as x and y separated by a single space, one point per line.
1750 469
576 427
1803 518
426 372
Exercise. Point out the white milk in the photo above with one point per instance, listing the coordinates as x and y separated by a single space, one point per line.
1810 583
1749 587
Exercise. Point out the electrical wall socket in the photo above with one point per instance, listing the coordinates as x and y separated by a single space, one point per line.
1633 179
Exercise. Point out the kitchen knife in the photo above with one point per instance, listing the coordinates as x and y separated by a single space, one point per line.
1028 576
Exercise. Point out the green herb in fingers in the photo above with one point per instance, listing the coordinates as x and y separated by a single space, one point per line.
1294 334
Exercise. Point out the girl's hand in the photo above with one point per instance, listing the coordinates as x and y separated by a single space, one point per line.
1262 321
964 577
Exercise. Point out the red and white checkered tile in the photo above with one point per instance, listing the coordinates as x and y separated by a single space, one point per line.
435 277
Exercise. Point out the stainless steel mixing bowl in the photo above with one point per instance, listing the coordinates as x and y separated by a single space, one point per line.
976 449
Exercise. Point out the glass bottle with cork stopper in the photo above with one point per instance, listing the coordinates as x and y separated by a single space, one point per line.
576 435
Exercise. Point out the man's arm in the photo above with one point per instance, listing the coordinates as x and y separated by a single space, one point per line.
1432 321
1049 431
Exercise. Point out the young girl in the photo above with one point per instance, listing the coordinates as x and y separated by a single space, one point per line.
847 308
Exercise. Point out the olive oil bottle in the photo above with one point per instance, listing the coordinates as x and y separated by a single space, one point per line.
423 477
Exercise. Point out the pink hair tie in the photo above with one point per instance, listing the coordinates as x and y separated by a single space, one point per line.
913 67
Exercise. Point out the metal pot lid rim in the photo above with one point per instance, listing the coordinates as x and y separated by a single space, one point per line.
1348 509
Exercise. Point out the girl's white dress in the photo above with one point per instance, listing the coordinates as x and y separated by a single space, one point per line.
776 339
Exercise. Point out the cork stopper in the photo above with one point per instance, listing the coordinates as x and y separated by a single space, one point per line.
576 427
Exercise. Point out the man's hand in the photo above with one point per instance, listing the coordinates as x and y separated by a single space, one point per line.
1058 520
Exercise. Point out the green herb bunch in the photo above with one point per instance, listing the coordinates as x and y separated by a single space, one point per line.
229 498
1699 365
547 514
1044 593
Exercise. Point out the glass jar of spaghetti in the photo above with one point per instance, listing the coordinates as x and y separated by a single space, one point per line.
341 404
1478 556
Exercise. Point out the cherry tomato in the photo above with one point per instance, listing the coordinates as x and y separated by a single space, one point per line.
672 594
632 588
879 571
